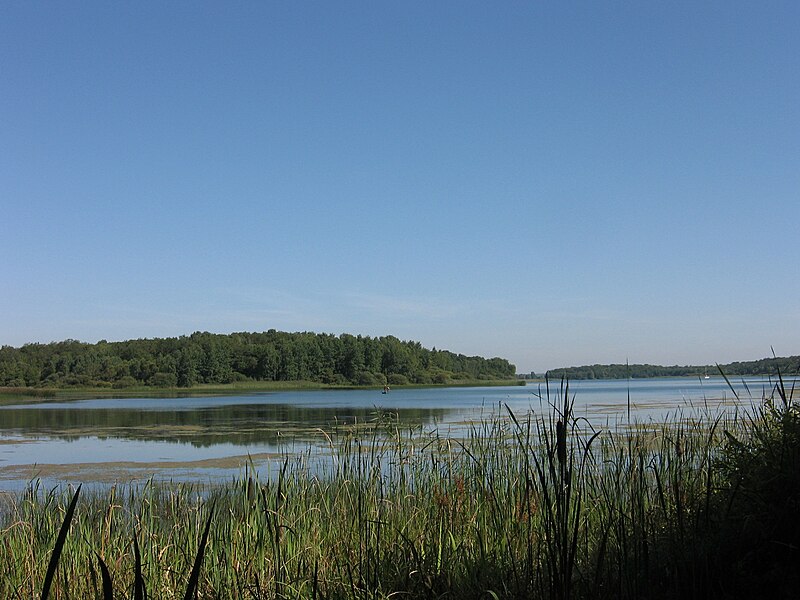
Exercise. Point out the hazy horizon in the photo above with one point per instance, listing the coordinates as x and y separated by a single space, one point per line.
553 184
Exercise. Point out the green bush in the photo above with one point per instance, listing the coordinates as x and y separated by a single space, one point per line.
397 379
367 378
760 501
124 382
163 380
424 378
441 378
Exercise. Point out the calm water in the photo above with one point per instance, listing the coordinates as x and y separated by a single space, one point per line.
208 438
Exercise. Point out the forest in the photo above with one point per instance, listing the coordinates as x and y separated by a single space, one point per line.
766 366
208 358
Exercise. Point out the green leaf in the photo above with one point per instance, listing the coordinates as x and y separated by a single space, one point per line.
62 536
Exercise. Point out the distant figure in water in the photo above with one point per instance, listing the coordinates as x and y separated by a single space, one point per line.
385 389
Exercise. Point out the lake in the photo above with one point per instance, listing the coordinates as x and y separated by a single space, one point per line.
100 441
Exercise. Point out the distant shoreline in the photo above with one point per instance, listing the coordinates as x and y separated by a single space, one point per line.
774 366
32 394
554 378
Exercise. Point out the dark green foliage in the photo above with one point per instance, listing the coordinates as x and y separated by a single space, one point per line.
139 589
760 501
108 587
194 577
397 379
206 358
764 366
59 545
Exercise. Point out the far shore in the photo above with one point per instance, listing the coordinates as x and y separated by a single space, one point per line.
9 395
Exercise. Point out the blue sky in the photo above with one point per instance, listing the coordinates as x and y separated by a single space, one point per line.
555 184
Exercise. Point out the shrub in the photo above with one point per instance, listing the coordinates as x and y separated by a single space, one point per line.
367 378
397 379
124 382
424 377
163 380
760 529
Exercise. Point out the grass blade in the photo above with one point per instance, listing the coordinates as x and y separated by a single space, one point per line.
191 588
139 590
108 588
62 536
728 381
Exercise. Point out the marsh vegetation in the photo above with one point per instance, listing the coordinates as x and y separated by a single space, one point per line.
523 506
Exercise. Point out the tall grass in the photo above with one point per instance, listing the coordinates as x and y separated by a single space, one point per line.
524 506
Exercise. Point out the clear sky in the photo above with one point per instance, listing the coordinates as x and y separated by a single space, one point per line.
556 183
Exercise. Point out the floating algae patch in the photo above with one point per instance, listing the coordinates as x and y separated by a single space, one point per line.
133 471
194 437
20 440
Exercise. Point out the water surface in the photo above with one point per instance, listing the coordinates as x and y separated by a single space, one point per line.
211 438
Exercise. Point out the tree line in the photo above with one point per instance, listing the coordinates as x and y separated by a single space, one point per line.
207 358
789 365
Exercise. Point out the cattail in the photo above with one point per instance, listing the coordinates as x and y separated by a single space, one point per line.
251 491
561 443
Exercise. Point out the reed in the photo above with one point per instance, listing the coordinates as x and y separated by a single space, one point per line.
537 505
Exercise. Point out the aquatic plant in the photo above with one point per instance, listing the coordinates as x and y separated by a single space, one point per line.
535 505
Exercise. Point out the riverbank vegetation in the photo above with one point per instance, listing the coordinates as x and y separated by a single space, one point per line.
536 506
764 366
214 359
